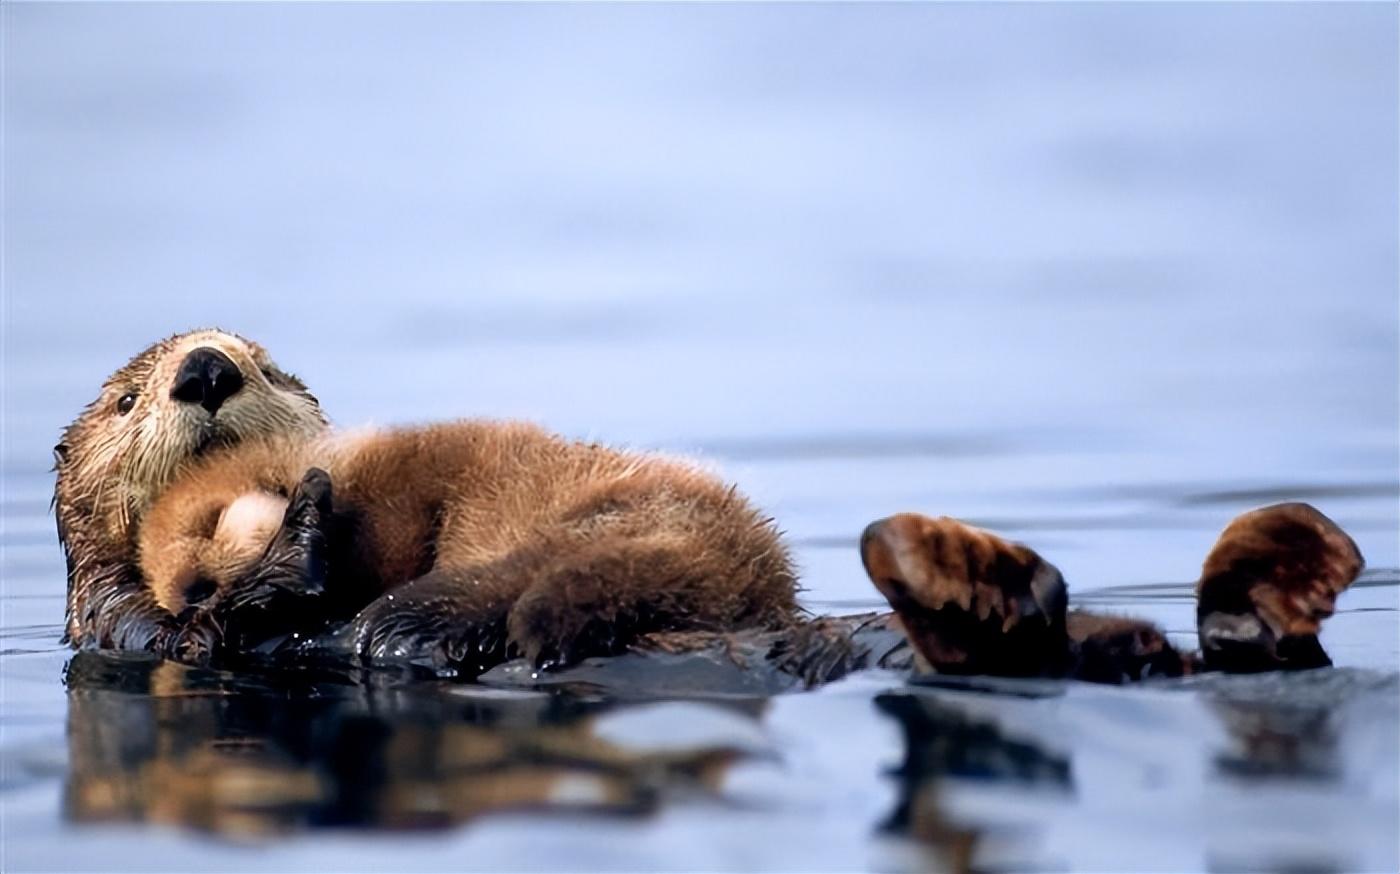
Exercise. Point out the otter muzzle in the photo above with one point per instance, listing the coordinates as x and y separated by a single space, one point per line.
207 377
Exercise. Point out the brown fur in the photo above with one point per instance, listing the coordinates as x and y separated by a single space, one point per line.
964 597
111 465
973 603
471 525
1269 582
477 534
488 532
970 602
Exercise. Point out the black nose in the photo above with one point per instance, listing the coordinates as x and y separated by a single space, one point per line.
208 378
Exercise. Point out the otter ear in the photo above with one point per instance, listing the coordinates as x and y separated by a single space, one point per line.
60 455
289 381
281 378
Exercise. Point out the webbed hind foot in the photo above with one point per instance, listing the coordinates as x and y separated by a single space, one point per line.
1268 583
970 602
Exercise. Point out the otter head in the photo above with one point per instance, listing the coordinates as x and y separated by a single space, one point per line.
183 397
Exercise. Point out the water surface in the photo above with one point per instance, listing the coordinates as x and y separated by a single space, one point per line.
1097 276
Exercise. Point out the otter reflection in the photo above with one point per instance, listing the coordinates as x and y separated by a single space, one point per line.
1293 730
942 742
247 754
1299 735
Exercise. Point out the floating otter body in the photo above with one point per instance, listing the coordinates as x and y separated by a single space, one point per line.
486 534
226 514
173 485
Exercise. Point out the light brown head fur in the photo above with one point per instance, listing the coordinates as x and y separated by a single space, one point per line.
135 438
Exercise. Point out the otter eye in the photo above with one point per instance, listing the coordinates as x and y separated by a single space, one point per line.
126 402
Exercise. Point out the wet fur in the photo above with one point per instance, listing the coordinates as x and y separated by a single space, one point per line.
486 537
490 537
110 467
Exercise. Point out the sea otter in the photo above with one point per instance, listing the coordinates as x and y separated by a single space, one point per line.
184 397
225 513
479 535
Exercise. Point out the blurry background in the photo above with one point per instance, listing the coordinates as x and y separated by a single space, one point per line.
1100 276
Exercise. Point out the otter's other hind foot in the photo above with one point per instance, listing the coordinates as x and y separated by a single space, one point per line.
1269 582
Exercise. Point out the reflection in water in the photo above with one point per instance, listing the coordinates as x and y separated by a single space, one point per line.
943 742
1277 740
1004 775
1300 754
244 755
1320 747
1282 726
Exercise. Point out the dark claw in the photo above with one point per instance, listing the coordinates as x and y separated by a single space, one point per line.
196 643
404 627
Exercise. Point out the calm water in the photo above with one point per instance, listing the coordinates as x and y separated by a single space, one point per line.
1097 276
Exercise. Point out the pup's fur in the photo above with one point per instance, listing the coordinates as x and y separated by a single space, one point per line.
486 534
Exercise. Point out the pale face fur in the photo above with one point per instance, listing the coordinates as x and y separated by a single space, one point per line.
120 461
130 443
250 521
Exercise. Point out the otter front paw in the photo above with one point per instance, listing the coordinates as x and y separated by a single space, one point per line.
294 562
442 622
280 593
